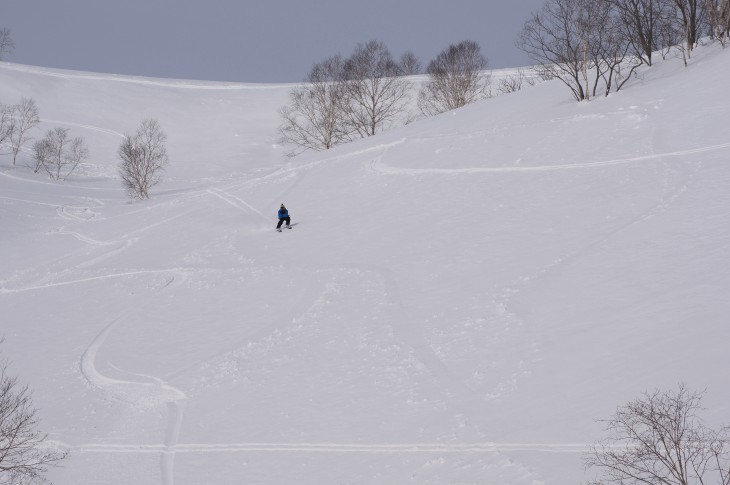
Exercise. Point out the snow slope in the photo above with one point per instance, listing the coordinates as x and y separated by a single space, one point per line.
459 300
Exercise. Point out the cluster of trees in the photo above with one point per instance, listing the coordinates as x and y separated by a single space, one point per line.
142 156
660 439
594 46
56 154
718 19
347 98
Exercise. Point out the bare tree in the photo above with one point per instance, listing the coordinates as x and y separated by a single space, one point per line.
58 154
6 119
455 79
314 119
581 43
659 439
24 118
24 454
682 29
672 37
690 15
409 64
377 93
642 22
554 39
718 19
143 156
609 51
6 43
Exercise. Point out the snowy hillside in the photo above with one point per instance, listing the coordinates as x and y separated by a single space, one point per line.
458 302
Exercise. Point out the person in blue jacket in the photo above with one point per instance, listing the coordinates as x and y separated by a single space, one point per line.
283 217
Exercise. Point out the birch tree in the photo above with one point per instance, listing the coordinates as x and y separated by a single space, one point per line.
24 117
6 43
314 119
377 92
455 79
579 42
143 157
58 154
718 19
642 22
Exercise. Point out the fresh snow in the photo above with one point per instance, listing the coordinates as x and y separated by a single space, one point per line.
460 302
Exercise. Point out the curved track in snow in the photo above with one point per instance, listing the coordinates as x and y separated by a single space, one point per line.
180 84
380 167
333 448
144 392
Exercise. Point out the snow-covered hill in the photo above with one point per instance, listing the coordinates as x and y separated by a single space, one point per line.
458 302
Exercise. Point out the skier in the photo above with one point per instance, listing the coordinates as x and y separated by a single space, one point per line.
283 217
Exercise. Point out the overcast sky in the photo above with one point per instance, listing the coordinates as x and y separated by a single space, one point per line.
247 40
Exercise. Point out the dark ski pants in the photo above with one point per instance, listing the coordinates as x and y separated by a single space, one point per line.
281 221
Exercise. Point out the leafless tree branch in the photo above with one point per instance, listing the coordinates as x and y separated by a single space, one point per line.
659 439
24 454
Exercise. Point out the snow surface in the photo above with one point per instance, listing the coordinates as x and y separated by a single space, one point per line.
458 303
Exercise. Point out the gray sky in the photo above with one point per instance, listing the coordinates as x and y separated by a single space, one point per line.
250 41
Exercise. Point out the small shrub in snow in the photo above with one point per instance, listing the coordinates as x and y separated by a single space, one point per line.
514 82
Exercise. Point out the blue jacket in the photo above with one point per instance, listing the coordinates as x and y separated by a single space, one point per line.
283 213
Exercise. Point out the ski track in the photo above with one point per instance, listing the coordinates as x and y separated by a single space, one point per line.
175 410
237 202
181 84
4 173
378 166
82 238
283 172
125 241
77 214
145 393
406 330
86 127
25 201
151 391
91 278
671 195
333 448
